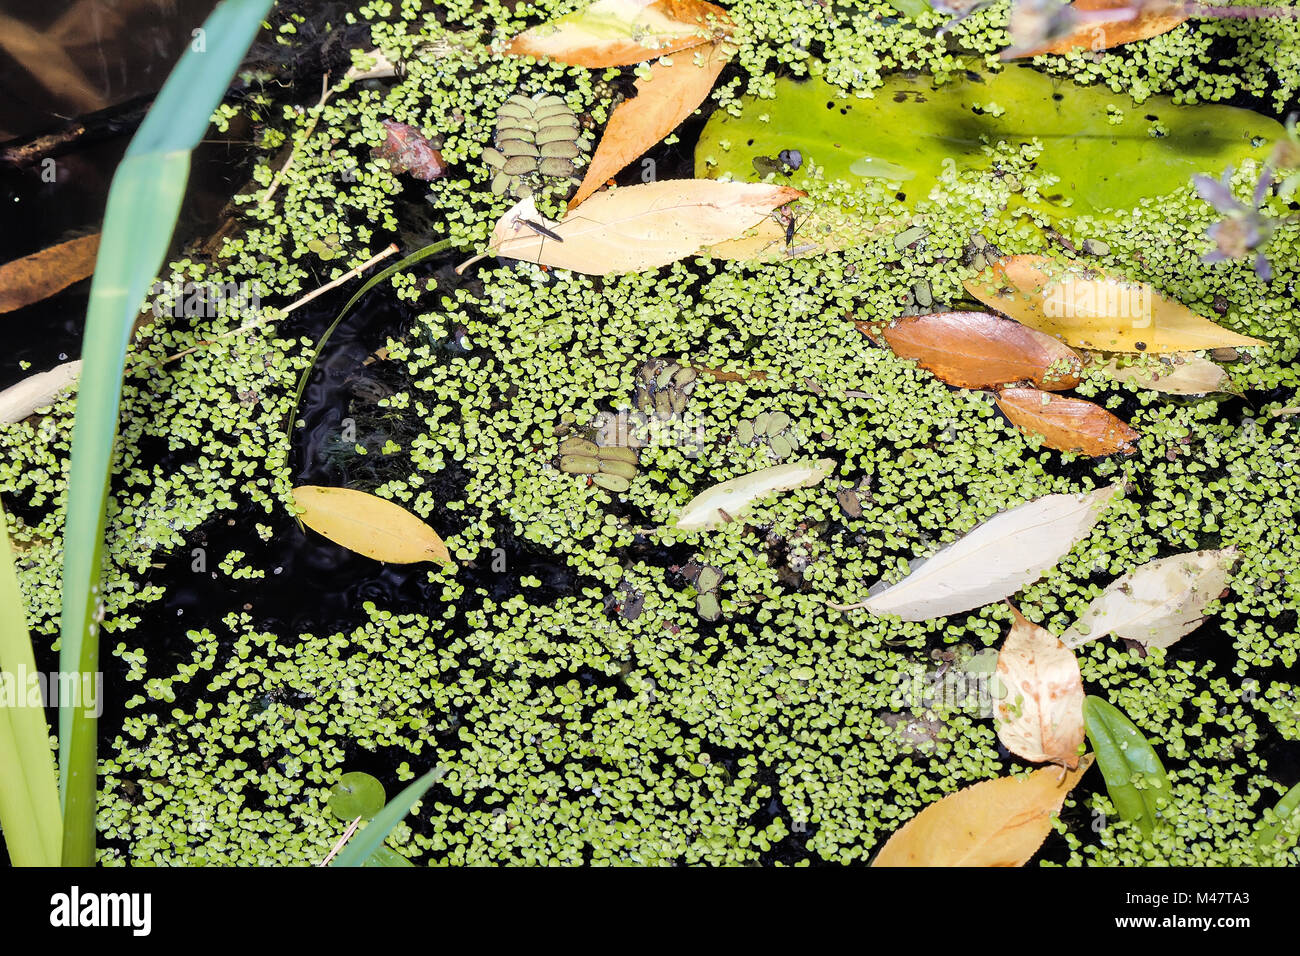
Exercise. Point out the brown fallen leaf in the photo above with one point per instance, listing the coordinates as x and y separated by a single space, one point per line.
634 228
1153 20
1040 716
998 822
1086 308
410 151
622 32
722 375
40 275
979 350
1066 424
663 99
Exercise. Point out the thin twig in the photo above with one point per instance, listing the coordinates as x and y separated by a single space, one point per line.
325 93
281 313
342 841
846 607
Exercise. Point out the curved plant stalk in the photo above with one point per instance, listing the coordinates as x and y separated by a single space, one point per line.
419 255
1135 778
372 837
29 784
143 204
1283 828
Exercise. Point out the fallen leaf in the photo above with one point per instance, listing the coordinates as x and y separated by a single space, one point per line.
669 94
1104 34
1157 603
621 32
369 525
1040 717
998 822
410 151
997 559
730 499
979 350
40 275
634 228
1186 375
826 228
1066 424
1086 309
1135 778
36 391
722 375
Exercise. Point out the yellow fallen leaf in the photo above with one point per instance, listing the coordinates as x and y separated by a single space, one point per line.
1040 716
669 94
1189 375
1087 309
998 822
638 227
731 499
369 525
622 32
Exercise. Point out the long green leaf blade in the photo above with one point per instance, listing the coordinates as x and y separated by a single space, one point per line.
372 836
1283 832
1134 776
143 204
29 789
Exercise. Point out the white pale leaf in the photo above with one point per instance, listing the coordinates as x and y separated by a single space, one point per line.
730 499
1040 716
1158 603
36 391
997 559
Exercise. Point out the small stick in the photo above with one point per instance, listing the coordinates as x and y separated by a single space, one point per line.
857 606
342 841
325 93
346 277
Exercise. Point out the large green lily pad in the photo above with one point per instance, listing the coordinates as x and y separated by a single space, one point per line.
1107 150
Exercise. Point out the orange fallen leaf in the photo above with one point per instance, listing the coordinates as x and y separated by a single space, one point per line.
979 350
1066 424
622 32
40 275
998 822
1088 309
1040 715
663 99
1103 34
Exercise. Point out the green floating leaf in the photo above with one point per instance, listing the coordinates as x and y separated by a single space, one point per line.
906 131
356 795
362 847
1283 832
1134 775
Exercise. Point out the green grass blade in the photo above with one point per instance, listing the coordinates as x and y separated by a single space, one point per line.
143 204
29 788
1282 832
372 837
1135 778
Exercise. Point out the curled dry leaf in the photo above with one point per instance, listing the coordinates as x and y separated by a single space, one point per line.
1040 717
36 391
997 559
979 350
1152 20
40 275
369 525
1158 603
730 499
638 227
1184 375
998 822
669 94
410 151
1066 424
1087 309
622 32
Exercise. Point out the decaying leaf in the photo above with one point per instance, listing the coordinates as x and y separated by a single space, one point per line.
997 559
1158 603
1066 424
1153 19
40 275
1087 309
1183 375
998 822
730 499
36 391
369 525
818 230
410 151
979 350
633 228
622 32
1040 717
669 94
